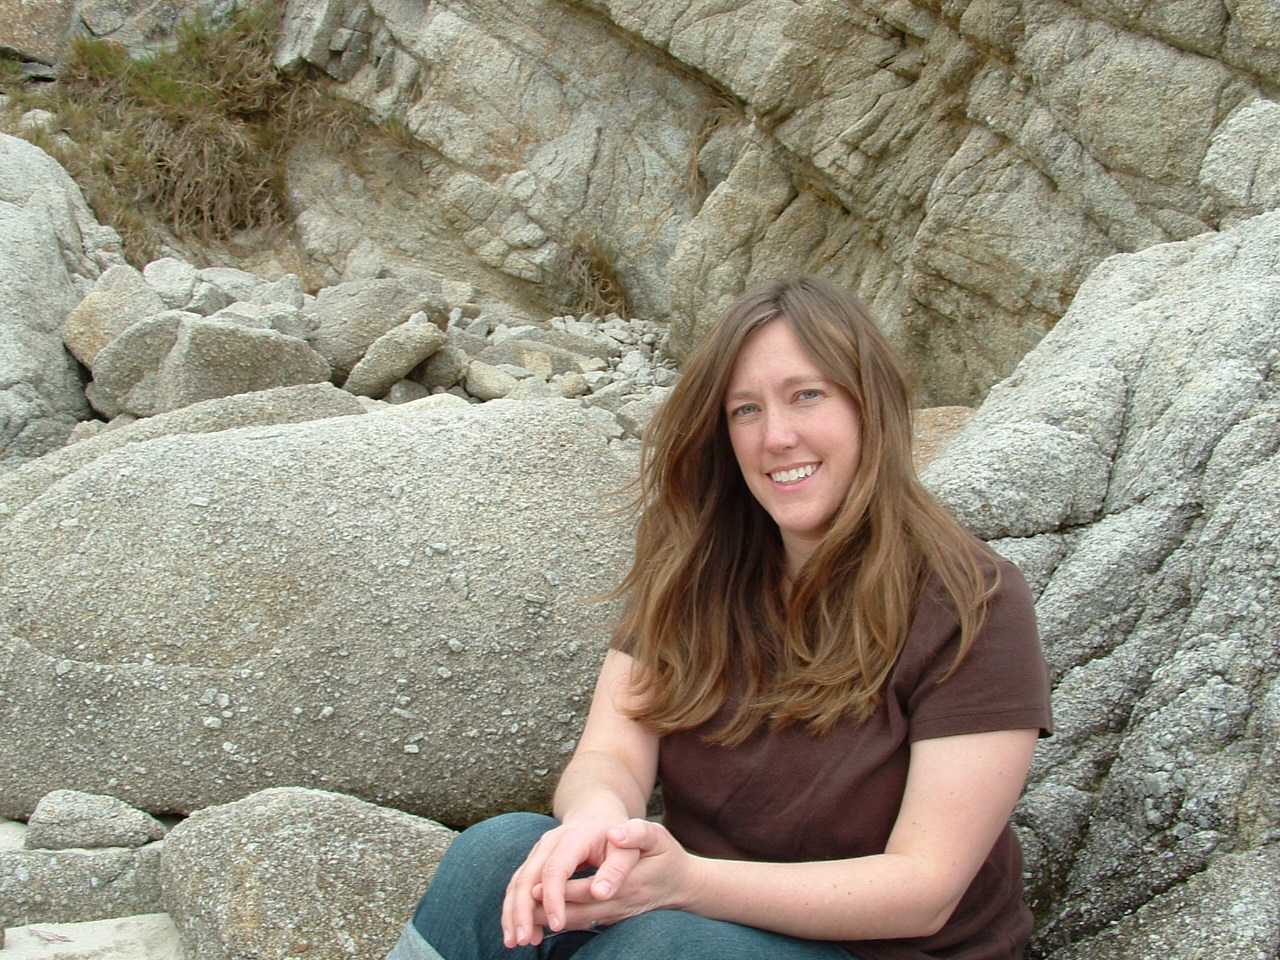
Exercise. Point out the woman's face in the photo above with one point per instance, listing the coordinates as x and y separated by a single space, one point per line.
797 436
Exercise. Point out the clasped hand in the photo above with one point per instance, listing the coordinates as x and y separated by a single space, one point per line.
638 865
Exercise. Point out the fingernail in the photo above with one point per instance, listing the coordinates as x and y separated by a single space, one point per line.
519 934
553 921
604 887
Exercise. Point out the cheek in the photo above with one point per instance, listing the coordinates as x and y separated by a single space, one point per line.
739 442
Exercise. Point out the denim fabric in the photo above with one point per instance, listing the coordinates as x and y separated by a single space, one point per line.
459 916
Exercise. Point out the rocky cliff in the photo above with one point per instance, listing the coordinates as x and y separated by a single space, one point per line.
962 164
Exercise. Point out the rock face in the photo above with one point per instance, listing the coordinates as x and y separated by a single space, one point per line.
289 873
387 606
964 165
51 250
1131 464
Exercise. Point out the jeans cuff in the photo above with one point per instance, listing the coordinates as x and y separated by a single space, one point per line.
411 946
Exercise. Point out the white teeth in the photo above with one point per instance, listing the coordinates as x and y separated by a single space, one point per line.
791 476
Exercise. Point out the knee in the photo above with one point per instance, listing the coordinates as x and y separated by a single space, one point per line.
655 935
500 840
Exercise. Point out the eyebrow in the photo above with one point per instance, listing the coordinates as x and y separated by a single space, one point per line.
791 381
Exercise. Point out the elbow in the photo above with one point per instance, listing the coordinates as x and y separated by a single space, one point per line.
931 918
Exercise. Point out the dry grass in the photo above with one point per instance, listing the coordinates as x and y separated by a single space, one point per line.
590 273
196 138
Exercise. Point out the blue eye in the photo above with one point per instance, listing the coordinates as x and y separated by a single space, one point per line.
744 411
808 394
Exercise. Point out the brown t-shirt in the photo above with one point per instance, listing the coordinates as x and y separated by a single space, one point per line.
787 796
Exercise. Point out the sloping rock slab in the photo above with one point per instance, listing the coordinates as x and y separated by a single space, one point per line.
390 607
1132 465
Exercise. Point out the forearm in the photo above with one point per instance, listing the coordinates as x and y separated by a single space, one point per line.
599 785
869 898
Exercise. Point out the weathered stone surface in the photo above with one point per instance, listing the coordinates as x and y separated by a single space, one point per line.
289 872
175 359
487 382
964 165
120 298
71 886
933 430
51 250
443 369
1132 462
394 354
173 280
69 818
388 606
349 317
146 28
280 317
281 405
36 31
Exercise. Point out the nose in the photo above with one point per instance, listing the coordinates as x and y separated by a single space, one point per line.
779 430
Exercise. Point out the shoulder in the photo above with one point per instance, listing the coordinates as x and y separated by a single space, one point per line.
1001 681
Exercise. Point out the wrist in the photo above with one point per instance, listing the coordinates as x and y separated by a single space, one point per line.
689 892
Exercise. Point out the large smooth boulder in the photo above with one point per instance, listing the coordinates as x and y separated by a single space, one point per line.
390 606
297 873
1131 464
51 251
298 404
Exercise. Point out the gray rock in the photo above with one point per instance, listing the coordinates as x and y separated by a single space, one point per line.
443 369
176 359
36 31
238 285
290 872
121 298
173 280
280 317
1134 453
965 165
635 415
388 606
349 317
406 391
53 251
394 354
73 886
130 362
487 382
544 359
281 405
208 298
69 818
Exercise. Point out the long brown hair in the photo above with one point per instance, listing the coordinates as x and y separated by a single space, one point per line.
708 612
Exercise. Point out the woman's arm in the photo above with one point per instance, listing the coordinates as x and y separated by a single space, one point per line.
959 795
607 782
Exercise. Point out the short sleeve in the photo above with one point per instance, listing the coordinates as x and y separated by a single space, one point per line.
1001 684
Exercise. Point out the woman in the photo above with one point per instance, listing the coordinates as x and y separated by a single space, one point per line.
839 690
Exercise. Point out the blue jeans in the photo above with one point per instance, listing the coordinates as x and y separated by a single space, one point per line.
459 916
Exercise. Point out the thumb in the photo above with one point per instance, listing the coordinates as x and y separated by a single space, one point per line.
635 834
613 870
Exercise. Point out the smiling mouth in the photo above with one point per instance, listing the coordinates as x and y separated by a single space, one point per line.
786 477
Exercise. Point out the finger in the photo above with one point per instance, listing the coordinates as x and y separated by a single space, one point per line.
577 891
518 901
613 872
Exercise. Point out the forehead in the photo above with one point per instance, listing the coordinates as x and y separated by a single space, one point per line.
770 355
